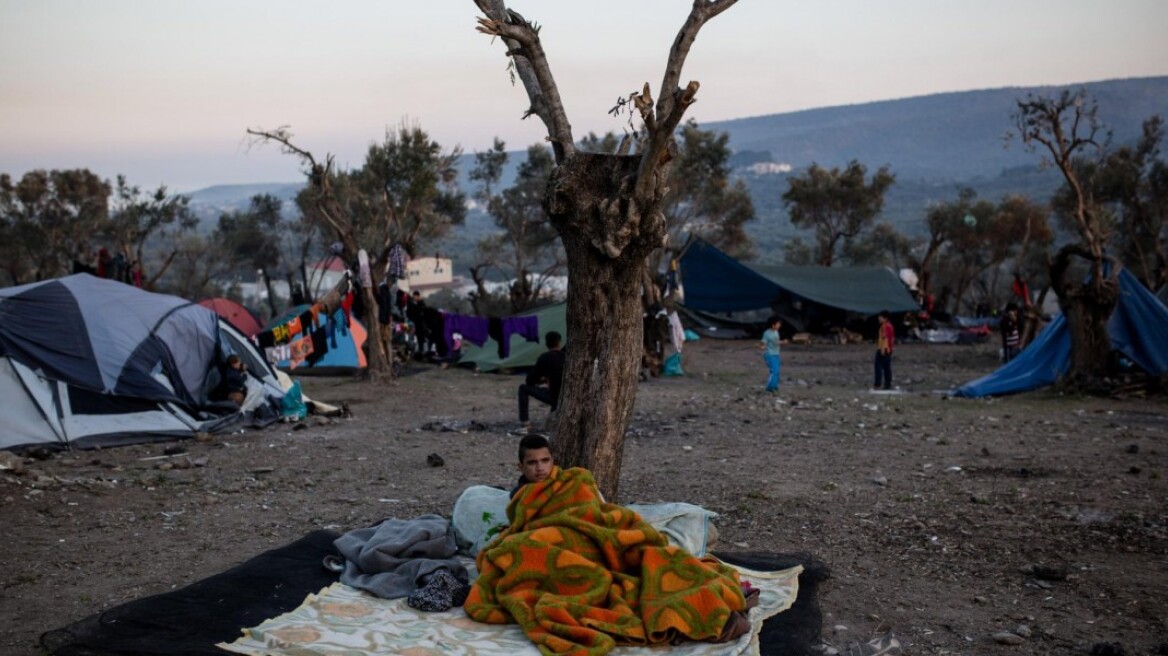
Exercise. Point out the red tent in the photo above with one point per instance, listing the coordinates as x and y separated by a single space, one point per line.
241 318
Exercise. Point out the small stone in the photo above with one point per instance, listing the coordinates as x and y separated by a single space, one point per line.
263 470
435 460
687 448
1023 630
880 480
1108 649
203 438
981 600
1133 448
166 466
173 450
1007 638
200 462
1050 572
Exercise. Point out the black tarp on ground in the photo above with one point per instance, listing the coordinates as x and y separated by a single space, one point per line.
191 620
194 619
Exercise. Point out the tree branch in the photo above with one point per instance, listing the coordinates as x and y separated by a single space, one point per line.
523 46
673 101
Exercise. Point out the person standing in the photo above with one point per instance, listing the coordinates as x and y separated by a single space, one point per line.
770 347
544 380
1011 333
885 339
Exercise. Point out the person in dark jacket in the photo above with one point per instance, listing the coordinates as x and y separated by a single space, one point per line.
235 380
544 380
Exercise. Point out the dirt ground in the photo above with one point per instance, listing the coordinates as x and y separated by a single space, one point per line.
946 521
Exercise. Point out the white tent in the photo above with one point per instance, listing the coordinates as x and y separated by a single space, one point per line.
91 362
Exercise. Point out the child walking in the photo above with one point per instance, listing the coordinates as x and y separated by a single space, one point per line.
770 352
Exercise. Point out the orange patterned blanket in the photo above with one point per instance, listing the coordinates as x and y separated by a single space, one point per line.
580 575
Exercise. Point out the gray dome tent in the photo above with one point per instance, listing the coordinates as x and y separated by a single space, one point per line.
91 362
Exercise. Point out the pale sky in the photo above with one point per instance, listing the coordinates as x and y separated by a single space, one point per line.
162 90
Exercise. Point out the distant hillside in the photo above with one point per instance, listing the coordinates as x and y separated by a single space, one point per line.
943 136
933 144
209 203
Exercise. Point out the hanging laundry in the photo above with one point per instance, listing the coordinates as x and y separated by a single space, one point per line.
298 351
474 329
397 262
501 331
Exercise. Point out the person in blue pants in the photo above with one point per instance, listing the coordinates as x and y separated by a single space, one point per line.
769 345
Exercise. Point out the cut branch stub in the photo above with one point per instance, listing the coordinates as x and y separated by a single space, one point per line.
592 195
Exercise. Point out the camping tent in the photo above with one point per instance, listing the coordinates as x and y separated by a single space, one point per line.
802 295
241 318
88 362
1137 329
345 340
523 352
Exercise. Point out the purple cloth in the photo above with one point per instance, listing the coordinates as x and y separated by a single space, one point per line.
525 327
473 329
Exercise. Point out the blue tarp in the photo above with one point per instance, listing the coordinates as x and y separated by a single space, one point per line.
716 282
1138 328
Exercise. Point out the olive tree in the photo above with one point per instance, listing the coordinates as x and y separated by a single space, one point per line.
608 209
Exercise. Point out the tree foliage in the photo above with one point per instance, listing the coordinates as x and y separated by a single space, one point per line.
836 204
140 217
527 248
48 219
1130 185
702 199
971 242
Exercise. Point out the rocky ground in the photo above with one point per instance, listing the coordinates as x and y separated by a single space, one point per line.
1034 524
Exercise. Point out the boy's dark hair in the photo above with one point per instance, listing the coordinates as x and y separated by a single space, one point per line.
552 339
773 319
884 313
533 442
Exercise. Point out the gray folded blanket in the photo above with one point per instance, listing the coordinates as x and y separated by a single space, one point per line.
397 556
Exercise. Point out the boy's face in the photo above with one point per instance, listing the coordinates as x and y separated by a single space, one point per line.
536 465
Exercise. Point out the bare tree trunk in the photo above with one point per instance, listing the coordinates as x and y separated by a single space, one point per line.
1087 307
604 347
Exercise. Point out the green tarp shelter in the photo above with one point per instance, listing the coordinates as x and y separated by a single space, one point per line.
716 282
523 353
804 296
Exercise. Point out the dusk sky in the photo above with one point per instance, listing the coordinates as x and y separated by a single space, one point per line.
163 91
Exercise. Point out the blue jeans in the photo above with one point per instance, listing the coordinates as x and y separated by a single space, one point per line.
883 370
537 392
774 364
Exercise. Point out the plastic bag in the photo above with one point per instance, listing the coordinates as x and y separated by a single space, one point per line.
292 405
673 365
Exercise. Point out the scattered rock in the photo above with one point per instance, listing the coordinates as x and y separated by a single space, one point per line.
203 438
11 462
173 450
200 462
1108 649
1007 638
981 600
299 426
1133 448
880 480
262 470
1049 572
435 460
1023 630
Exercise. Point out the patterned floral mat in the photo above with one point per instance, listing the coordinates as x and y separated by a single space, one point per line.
342 620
